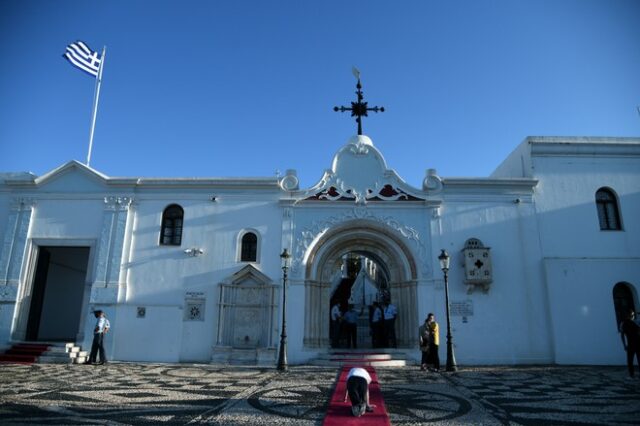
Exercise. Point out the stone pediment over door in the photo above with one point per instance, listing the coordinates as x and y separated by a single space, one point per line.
359 174
247 310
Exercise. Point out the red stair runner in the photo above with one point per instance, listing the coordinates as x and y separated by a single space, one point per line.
23 353
339 412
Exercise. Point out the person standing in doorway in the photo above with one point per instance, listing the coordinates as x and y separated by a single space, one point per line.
336 319
377 327
351 326
101 328
390 314
433 358
631 331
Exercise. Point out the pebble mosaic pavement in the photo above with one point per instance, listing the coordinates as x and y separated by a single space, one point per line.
130 393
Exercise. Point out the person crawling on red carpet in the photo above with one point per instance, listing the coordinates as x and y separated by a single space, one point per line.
358 381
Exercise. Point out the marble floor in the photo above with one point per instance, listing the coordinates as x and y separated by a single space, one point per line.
136 393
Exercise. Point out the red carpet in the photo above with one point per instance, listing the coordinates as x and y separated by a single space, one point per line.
339 412
23 353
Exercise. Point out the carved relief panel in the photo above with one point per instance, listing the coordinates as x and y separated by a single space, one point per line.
247 308
477 265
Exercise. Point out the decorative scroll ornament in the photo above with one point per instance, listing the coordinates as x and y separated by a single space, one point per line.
432 182
289 181
117 203
23 203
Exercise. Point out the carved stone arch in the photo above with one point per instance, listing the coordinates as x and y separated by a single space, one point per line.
361 235
373 239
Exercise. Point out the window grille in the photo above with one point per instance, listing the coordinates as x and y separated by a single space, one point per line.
172 220
607 210
249 250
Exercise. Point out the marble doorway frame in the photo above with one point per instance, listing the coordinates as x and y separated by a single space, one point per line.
25 290
368 237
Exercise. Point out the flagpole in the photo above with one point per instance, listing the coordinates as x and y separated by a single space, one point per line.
96 98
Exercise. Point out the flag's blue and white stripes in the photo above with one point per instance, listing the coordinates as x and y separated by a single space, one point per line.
84 58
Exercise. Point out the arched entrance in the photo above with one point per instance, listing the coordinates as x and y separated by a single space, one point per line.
622 301
358 291
325 263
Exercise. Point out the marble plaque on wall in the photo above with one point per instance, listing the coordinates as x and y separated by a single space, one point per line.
194 309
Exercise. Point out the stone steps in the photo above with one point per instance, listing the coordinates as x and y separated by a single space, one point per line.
55 354
236 356
364 357
45 353
76 354
24 352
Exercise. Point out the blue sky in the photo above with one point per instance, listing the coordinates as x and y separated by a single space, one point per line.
245 88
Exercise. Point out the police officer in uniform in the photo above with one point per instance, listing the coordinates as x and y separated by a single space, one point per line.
101 328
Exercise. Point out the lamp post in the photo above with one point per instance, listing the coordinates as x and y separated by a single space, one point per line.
444 259
282 356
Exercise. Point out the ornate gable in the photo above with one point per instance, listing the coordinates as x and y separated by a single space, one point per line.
359 173
248 275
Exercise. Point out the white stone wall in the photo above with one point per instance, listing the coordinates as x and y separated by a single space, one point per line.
566 209
581 308
67 218
159 277
582 263
506 324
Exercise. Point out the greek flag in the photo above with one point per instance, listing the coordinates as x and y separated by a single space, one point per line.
84 58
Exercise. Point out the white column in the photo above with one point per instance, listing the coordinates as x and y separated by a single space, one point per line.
324 314
110 250
15 241
315 293
12 259
127 250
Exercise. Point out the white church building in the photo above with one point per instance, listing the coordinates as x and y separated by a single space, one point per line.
545 255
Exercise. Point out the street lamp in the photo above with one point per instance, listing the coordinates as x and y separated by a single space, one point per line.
282 356
444 259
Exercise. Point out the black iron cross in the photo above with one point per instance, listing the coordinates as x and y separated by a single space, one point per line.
359 109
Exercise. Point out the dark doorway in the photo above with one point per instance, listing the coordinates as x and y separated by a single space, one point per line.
363 282
37 293
622 301
57 294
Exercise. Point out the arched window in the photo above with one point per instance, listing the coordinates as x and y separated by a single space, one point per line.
622 301
249 248
171 232
607 210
